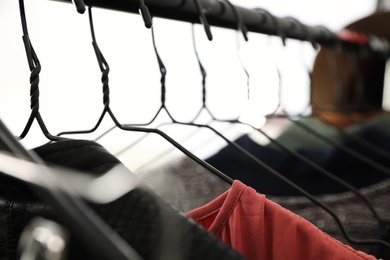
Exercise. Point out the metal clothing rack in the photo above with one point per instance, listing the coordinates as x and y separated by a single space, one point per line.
221 13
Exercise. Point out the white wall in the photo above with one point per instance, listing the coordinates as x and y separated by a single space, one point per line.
71 91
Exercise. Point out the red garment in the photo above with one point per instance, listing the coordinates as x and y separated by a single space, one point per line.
261 229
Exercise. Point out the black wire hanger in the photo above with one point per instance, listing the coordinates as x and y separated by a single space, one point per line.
35 68
163 70
203 19
144 10
240 27
197 115
80 6
105 69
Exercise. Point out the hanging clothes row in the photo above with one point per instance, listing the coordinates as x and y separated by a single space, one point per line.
290 199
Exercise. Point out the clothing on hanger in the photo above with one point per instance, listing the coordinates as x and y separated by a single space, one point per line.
152 227
355 216
183 183
245 220
358 221
261 229
349 169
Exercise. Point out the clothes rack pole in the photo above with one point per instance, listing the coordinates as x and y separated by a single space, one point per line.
219 14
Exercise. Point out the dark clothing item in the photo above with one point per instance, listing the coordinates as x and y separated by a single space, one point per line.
152 227
353 213
352 170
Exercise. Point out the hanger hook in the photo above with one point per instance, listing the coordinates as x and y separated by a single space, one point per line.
144 10
80 6
35 69
105 69
275 22
203 20
240 23
307 36
103 64
163 72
